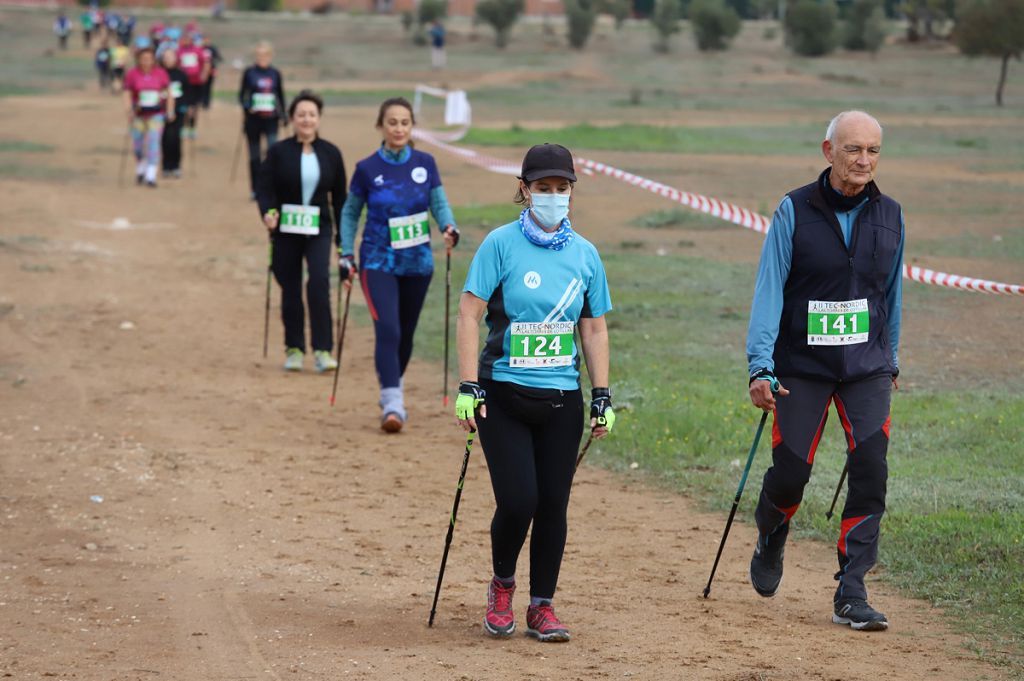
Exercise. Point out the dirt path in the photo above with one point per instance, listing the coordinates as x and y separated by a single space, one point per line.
241 529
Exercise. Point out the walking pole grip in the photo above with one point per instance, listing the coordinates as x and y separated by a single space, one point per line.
451 525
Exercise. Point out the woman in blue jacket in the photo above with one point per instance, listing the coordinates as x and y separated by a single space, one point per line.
400 187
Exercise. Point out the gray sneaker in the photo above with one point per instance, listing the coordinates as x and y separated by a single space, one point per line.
858 614
323 361
293 359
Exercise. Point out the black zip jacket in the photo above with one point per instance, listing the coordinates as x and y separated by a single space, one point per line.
268 80
280 181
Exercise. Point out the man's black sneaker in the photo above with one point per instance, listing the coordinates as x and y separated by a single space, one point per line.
858 614
766 567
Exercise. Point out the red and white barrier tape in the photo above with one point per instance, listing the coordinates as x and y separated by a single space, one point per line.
704 204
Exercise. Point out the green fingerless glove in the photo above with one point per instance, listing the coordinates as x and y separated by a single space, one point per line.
471 396
601 407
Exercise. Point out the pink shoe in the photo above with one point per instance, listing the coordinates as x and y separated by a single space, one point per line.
499 620
543 624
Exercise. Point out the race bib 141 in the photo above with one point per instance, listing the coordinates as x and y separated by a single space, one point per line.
837 322
541 344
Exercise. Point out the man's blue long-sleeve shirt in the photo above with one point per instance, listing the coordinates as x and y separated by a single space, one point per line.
773 271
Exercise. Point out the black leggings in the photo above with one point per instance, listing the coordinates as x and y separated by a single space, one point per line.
255 128
289 251
171 144
530 439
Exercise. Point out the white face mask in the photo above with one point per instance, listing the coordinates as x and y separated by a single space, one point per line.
550 209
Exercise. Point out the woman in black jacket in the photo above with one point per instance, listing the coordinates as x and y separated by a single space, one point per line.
300 192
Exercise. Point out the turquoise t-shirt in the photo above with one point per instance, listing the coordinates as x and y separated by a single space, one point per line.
535 297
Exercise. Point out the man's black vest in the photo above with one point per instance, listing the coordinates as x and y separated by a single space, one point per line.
823 268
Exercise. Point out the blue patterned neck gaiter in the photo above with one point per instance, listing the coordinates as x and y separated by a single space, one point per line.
556 240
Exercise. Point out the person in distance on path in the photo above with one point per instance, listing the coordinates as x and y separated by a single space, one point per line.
171 140
192 59
62 29
261 95
538 281
825 319
400 187
148 107
300 192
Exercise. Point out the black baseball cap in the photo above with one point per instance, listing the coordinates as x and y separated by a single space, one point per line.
547 160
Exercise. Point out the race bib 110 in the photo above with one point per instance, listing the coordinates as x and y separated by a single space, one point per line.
541 344
837 323
297 219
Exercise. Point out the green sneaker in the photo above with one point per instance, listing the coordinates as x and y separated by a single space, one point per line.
323 361
293 359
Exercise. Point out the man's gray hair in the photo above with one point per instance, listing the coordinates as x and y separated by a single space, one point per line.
830 132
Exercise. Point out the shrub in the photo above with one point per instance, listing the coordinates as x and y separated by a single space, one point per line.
431 10
865 26
408 18
665 18
501 15
811 27
260 5
619 10
714 24
580 16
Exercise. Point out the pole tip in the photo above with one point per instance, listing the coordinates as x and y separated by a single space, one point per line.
828 516
445 400
707 591
331 400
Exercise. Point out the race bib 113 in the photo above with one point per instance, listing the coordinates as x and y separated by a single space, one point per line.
409 231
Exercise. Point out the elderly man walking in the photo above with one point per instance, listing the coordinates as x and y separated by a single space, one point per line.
826 321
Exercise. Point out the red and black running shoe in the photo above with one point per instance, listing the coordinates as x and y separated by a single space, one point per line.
499 619
543 624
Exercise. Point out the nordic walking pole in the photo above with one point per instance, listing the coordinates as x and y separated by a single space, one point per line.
238 152
266 306
451 525
839 487
583 452
739 492
341 341
447 318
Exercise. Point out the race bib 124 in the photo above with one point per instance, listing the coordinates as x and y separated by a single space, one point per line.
541 344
